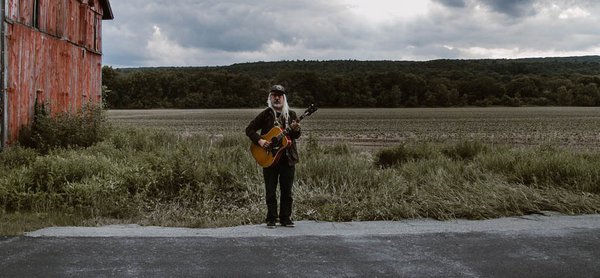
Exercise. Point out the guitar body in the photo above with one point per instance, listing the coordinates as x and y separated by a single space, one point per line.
266 158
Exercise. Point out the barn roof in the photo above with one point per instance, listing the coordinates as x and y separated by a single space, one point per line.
107 10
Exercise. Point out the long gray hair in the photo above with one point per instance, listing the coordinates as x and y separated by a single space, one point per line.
285 110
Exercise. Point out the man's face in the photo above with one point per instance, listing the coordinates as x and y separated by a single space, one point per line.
277 100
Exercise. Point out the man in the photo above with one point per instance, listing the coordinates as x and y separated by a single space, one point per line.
277 114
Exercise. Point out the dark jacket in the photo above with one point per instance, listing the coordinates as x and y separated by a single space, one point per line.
264 122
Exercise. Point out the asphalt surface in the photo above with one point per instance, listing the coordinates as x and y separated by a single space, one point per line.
531 246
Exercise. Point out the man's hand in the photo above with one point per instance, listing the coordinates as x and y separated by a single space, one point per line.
295 125
264 143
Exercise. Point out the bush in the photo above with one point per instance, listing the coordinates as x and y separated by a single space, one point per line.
3 197
464 150
338 149
397 155
141 139
64 130
16 157
53 173
233 141
542 168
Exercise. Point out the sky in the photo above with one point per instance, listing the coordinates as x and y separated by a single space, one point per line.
149 33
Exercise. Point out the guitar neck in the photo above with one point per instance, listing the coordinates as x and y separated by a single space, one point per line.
287 129
308 112
301 117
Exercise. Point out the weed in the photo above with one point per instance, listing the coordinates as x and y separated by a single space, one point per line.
338 149
159 178
541 168
464 150
17 156
83 128
388 157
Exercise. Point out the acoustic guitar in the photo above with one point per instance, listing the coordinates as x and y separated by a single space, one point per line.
279 141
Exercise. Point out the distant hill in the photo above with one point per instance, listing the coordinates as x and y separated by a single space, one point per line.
579 64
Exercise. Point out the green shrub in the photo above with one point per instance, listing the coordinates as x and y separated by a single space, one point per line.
464 150
541 167
52 173
83 128
388 157
3 196
141 139
17 156
338 149
234 141
98 197
312 146
171 172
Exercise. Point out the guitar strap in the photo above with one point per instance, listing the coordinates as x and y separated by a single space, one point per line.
280 122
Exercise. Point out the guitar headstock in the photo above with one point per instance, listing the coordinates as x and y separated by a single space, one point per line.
311 109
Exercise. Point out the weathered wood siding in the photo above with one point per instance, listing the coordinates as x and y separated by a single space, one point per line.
57 62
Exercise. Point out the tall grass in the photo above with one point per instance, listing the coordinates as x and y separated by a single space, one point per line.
160 178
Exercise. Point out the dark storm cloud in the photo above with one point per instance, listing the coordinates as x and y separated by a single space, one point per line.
512 8
223 26
452 3
245 26
453 34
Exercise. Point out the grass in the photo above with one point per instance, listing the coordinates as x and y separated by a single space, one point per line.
155 177
192 167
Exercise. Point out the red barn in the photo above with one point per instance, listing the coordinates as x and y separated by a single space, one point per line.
52 53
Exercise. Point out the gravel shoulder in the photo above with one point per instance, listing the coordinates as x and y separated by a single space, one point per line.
548 224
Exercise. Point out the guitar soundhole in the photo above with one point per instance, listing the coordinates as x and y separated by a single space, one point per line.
274 142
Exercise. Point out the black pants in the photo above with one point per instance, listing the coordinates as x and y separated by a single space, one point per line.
283 173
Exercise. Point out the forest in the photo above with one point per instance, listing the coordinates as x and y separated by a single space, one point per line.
564 81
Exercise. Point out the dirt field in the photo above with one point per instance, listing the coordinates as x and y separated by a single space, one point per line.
577 127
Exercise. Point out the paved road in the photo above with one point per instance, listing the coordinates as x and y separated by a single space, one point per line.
532 246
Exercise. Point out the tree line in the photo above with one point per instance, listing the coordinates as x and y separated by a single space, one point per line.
571 81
